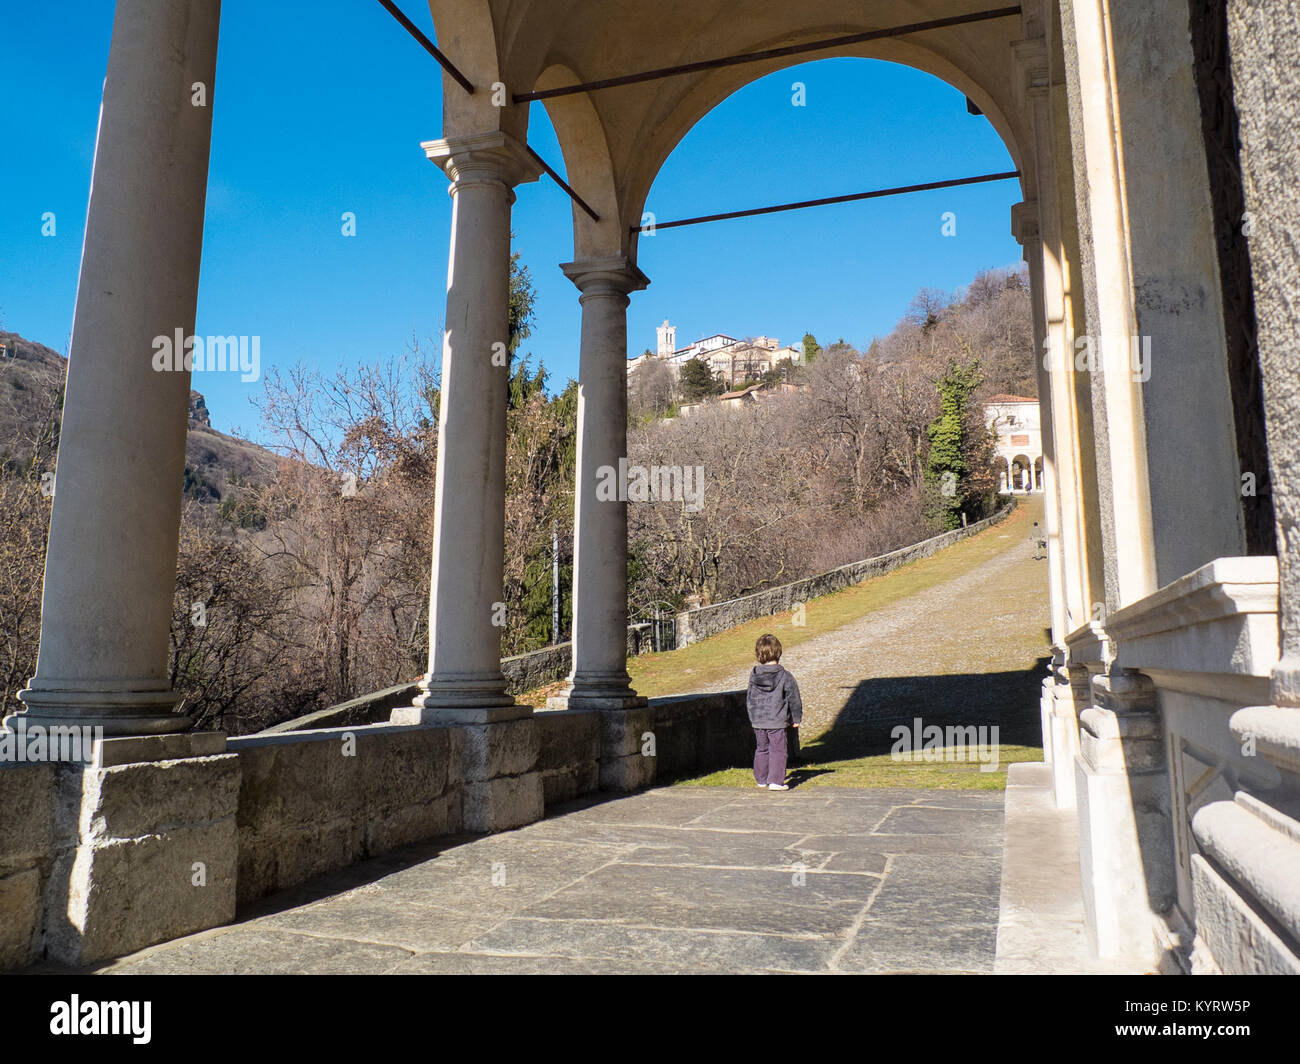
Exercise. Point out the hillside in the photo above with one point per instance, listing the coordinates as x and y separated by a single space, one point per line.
31 388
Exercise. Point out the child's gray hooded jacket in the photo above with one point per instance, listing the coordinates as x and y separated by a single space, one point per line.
773 700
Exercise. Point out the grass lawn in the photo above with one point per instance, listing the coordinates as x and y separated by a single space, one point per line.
880 770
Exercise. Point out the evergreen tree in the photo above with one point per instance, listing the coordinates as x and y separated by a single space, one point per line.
697 380
948 465
811 348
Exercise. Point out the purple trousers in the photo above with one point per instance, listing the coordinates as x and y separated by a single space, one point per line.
769 755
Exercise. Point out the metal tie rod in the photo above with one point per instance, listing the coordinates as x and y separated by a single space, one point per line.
429 46
465 84
770 53
877 194
550 171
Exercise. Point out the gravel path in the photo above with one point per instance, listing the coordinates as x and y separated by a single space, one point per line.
964 651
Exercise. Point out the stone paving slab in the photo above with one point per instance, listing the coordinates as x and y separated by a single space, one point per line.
671 880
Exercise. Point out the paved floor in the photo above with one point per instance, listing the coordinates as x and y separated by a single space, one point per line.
673 880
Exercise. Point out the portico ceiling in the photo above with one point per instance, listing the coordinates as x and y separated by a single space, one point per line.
615 140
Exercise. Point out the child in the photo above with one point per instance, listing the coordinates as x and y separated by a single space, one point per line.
773 701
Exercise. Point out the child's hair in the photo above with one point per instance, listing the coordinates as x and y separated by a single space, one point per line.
767 649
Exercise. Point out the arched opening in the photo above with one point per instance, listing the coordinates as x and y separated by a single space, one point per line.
1021 473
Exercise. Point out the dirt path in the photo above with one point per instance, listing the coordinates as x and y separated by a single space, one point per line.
967 649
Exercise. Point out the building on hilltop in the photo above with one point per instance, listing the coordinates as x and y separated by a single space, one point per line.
731 360
1019 448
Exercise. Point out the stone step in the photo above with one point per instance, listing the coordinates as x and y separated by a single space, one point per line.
1041 928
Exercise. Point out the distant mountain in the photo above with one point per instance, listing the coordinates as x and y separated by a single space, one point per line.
31 389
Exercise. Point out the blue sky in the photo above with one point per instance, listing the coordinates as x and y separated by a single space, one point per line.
319 109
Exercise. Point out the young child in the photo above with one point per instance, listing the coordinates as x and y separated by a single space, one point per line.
773 702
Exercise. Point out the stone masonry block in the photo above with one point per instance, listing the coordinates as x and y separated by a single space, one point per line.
154 857
486 751
20 917
128 801
503 803
626 773
26 815
568 738
126 894
622 731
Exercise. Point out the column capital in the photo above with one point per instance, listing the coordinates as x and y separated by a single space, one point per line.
1024 222
612 275
494 156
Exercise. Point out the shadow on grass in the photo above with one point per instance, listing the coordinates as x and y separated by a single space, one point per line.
873 708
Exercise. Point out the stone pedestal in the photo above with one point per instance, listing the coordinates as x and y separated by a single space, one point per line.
143 853
1122 792
501 786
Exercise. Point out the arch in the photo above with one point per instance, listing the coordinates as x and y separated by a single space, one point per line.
466 34
1003 469
719 85
588 167
1021 473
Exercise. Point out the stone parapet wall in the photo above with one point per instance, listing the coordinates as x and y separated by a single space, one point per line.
80 846
701 733
312 802
26 854
694 625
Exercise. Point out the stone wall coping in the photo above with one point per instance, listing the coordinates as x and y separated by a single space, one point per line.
1275 731
1223 588
1260 852
319 735
1087 644
1221 618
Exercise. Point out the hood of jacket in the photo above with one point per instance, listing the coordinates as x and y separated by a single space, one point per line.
766 677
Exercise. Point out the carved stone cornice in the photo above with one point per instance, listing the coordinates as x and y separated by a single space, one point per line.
1221 617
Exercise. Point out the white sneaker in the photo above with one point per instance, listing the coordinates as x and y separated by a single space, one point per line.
761 786
777 787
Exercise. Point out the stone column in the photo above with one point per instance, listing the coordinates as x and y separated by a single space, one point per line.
1024 225
110 567
599 679
1154 298
464 682
1249 887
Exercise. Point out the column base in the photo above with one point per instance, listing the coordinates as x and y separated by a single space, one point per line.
122 712
416 714
603 693
461 700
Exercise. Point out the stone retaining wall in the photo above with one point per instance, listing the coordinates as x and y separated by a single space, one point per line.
697 624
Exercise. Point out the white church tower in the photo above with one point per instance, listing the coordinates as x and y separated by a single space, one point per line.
667 339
